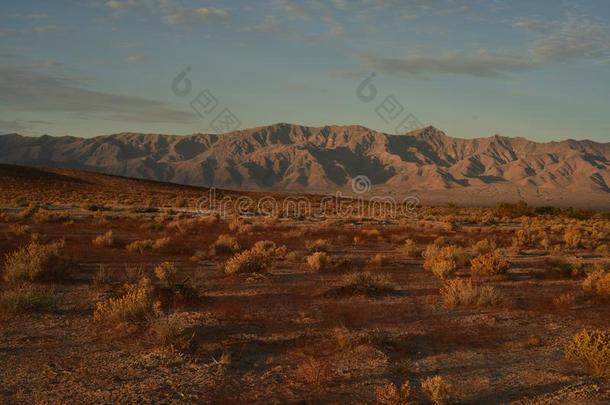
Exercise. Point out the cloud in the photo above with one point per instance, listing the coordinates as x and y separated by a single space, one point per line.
8 32
135 57
532 24
335 28
169 12
26 88
269 24
7 127
44 29
38 16
196 16
577 37
482 65
574 38
125 5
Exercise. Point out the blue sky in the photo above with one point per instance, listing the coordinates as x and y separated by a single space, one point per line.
473 68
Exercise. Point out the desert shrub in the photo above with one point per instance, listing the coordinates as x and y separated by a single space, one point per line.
27 212
603 250
437 389
378 260
367 283
390 394
318 261
443 268
161 243
170 332
510 210
238 226
559 266
573 238
318 245
409 248
292 256
443 261
42 216
597 283
140 246
527 237
26 298
166 272
565 300
101 277
255 259
490 264
484 246
591 349
226 244
312 371
18 229
547 210
35 262
441 241
371 233
136 305
105 240
459 293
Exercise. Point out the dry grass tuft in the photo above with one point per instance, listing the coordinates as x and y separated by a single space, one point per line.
443 261
565 300
35 262
573 238
492 263
226 244
318 261
312 371
378 261
105 240
484 246
410 249
255 259
170 332
318 245
166 272
392 395
26 298
437 389
18 229
459 293
367 283
140 246
136 305
145 245
597 283
591 349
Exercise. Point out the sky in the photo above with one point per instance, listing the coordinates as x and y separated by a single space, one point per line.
473 68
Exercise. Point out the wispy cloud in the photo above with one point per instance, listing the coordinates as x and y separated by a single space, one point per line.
483 64
576 37
532 24
44 29
27 88
196 16
12 127
169 12
38 16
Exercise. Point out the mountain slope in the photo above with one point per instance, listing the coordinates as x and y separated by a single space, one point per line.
296 158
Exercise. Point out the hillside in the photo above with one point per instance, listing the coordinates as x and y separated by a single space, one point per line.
284 157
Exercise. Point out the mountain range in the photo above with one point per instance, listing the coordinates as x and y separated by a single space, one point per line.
425 163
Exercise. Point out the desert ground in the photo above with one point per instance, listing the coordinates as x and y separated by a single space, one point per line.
120 290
